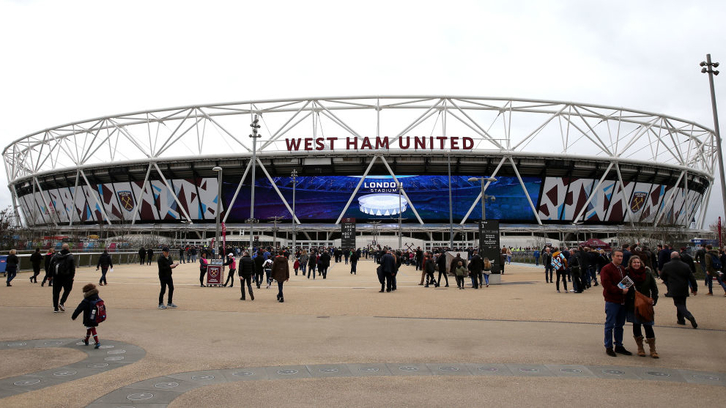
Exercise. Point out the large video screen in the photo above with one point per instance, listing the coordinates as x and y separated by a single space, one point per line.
323 198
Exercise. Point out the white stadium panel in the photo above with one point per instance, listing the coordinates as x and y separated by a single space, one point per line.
66 198
474 132
599 205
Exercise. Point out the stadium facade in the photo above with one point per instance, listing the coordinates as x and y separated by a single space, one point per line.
559 167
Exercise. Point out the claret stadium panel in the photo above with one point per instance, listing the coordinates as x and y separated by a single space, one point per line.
368 158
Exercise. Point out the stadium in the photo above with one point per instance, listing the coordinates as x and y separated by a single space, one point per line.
414 165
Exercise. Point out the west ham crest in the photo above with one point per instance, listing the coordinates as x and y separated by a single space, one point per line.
638 201
126 200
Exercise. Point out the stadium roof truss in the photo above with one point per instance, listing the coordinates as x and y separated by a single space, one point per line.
508 132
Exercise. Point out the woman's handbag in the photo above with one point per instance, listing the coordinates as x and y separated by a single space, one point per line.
643 307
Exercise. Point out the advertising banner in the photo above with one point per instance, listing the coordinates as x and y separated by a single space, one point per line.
347 231
215 273
489 246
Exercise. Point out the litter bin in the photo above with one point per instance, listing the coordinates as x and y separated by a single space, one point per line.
3 263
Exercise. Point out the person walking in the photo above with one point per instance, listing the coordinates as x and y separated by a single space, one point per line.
142 256
615 310
713 269
441 262
388 268
644 283
104 262
460 271
487 270
11 267
35 259
677 277
246 270
48 273
559 264
259 270
166 264
324 264
63 268
547 261
312 263
354 256
149 256
476 265
203 264
280 273
232 269
303 262
90 296
429 265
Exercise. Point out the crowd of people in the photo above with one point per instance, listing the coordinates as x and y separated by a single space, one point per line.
628 276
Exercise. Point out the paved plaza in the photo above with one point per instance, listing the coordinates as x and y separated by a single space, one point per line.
339 342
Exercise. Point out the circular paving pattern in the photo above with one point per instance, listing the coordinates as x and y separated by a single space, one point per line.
161 391
80 369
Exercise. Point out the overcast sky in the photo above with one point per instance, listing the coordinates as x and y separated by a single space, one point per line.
70 60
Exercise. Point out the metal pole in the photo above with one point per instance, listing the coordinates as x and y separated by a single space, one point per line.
451 211
219 207
483 199
400 187
294 184
716 130
254 137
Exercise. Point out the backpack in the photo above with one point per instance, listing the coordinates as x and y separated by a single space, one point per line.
98 311
61 267
716 263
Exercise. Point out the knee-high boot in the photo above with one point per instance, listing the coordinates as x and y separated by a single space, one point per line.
651 344
639 342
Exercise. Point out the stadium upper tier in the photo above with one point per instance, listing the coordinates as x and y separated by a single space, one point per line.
555 162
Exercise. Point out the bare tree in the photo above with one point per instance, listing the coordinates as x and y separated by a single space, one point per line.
9 228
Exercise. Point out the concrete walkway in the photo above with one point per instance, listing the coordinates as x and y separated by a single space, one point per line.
340 342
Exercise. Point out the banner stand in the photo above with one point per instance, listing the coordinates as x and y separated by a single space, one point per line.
215 272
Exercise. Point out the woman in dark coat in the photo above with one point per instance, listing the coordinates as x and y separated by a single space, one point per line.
280 273
104 262
246 270
48 275
643 282
11 268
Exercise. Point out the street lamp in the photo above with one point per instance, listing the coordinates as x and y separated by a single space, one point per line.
483 197
294 183
708 67
275 220
218 170
400 226
254 125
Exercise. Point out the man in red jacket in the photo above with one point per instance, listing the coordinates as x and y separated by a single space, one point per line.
615 309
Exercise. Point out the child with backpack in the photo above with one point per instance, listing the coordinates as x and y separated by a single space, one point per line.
267 267
94 312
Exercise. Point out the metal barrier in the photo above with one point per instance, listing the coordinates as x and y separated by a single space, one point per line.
83 259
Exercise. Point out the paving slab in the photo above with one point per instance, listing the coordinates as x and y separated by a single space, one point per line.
329 370
704 378
448 369
287 372
570 371
202 378
245 374
490 369
616 372
369 370
530 370
409 369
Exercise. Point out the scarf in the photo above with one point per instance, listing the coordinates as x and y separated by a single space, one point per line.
637 275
